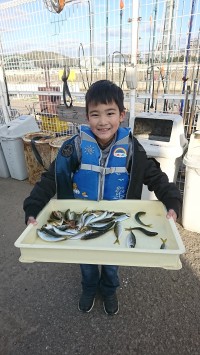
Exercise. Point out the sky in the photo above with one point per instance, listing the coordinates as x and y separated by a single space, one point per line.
31 27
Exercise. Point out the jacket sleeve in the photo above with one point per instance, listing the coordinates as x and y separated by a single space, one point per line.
147 171
41 194
165 191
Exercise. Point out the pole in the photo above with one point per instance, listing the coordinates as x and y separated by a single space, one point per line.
187 52
134 46
107 39
3 97
120 40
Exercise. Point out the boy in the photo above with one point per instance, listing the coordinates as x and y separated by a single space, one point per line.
88 166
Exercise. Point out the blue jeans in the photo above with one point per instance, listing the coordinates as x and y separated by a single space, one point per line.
107 281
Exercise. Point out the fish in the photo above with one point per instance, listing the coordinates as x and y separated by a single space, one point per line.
102 226
163 245
65 232
56 215
122 217
118 231
50 232
56 222
100 217
89 218
93 235
143 230
47 238
137 218
131 240
69 216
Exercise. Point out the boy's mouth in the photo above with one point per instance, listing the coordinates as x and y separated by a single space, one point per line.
103 129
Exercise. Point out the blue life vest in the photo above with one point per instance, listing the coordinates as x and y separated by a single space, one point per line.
94 182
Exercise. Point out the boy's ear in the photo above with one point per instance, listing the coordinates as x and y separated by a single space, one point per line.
122 116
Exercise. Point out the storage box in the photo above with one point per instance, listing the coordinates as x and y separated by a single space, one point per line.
162 136
102 250
12 144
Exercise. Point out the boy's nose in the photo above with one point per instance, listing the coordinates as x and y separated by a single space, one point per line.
103 119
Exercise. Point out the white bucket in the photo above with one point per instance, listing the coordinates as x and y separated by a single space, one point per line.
191 197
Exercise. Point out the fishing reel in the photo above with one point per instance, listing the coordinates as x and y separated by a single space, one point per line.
56 6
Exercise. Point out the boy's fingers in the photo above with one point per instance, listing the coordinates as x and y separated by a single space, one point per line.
172 214
31 220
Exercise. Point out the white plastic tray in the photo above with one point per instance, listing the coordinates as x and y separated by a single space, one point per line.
102 250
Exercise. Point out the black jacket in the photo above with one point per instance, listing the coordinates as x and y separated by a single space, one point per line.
142 170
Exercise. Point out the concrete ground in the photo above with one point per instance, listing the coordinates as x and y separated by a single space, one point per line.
159 309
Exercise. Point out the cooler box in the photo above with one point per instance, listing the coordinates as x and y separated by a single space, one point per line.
162 136
191 196
12 144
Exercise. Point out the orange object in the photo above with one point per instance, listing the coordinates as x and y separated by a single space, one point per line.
61 5
121 4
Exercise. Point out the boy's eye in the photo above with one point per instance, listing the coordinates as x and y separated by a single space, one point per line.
111 113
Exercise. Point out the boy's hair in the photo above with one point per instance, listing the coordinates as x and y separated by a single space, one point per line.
104 92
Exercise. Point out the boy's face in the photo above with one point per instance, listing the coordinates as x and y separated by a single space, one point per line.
104 121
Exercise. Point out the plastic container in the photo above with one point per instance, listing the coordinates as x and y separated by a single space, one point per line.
12 144
103 250
55 145
34 167
4 171
53 124
191 196
162 136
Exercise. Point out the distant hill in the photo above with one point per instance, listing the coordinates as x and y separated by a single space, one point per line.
39 59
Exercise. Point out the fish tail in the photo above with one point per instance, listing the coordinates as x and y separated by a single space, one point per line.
117 241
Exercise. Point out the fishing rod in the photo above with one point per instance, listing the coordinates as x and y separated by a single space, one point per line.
120 84
106 39
79 63
120 37
147 78
193 105
184 79
169 57
151 88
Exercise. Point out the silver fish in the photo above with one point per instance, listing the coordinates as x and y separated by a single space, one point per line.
100 217
131 240
118 231
89 218
65 232
122 217
93 235
48 238
102 226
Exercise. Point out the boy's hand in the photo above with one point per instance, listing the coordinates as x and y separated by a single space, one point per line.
172 213
31 220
